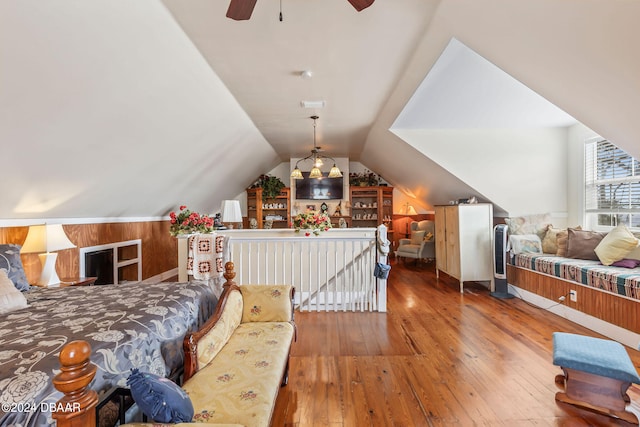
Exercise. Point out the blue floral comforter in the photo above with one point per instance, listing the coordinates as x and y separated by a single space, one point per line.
128 326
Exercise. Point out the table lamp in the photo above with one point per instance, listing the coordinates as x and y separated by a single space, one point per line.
231 213
45 240
408 211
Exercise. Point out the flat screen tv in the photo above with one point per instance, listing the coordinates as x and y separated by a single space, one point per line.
319 188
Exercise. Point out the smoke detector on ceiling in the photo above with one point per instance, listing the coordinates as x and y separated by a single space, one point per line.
312 104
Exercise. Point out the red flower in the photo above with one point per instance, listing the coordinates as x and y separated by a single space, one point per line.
187 222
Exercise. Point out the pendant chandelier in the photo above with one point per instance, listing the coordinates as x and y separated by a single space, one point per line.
317 161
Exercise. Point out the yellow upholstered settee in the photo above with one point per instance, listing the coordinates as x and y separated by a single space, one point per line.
236 363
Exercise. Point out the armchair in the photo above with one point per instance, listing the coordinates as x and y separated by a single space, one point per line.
421 245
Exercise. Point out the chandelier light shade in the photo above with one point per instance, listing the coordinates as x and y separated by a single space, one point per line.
45 240
316 157
335 172
296 174
315 173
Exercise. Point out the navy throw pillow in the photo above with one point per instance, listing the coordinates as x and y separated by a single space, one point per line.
10 261
159 398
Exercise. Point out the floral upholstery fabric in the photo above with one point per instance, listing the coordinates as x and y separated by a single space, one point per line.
212 343
247 360
266 303
242 383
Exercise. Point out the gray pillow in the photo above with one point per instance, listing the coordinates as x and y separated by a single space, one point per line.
10 261
581 244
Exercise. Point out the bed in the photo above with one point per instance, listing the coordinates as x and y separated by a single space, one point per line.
127 326
77 368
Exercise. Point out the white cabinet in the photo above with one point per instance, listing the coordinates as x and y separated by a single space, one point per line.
464 242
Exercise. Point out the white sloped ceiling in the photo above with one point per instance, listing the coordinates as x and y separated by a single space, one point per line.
574 54
127 109
108 110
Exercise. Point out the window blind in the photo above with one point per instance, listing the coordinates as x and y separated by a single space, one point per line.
612 185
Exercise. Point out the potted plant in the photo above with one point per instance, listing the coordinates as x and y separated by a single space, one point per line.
363 179
271 186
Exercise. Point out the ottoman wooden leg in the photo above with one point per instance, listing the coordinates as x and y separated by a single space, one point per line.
600 394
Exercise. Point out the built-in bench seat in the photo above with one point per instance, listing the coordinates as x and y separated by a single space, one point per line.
618 280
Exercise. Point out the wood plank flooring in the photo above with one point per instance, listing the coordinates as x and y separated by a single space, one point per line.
436 358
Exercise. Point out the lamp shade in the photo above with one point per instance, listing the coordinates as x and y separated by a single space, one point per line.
46 238
231 211
408 210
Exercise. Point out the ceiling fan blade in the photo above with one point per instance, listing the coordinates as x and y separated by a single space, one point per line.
240 10
361 4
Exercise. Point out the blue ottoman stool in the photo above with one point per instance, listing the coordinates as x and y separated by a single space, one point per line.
597 374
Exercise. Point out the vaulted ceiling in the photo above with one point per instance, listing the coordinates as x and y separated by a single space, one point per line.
127 109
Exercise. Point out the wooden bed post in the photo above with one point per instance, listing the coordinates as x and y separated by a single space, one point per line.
77 408
229 273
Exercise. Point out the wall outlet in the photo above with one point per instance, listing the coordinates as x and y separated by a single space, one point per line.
573 295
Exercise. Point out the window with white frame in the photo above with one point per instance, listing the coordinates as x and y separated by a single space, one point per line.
612 186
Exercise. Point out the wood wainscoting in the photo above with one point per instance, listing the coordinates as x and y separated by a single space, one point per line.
159 249
615 309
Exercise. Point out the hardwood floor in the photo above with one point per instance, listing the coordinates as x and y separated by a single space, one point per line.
436 358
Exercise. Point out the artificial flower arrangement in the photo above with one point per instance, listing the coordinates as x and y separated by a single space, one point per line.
187 222
314 222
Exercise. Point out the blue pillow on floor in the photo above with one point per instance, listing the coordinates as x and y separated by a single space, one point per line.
159 398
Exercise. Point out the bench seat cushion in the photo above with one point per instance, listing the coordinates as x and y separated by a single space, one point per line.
593 355
617 280
241 384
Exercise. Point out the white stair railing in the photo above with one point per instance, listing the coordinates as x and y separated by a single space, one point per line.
331 272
